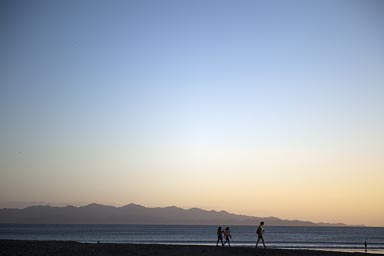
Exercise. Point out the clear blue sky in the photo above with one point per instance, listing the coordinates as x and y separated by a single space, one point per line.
141 91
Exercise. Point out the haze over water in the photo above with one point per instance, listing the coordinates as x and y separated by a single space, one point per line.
264 108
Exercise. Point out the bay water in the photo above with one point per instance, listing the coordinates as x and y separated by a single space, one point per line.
325 238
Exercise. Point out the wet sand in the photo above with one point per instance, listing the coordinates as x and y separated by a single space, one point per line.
63 248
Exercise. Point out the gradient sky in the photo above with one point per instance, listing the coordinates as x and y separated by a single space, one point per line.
256 107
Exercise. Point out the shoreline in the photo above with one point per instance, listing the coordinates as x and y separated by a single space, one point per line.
64 248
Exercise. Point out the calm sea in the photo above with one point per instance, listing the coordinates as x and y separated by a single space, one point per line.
329 238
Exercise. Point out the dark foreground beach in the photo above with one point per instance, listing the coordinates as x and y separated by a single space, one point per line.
63 248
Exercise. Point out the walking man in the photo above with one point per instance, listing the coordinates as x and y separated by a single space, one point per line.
259 232
219 236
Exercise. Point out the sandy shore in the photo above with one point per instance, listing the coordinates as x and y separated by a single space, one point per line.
62 248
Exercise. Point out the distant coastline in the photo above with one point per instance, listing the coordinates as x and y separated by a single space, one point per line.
137 214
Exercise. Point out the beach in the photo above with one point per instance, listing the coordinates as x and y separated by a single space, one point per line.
71 248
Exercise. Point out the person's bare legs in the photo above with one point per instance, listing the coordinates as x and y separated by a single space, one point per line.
221 240
262 240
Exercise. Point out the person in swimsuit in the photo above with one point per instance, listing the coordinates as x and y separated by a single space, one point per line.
227 236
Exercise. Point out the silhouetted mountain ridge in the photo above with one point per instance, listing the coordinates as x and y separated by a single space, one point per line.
137 214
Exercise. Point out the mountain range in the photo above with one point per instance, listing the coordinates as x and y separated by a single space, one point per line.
137 214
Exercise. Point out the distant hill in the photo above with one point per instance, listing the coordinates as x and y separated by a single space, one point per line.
137 214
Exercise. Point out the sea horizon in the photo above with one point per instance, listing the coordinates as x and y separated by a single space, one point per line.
345 238
266 117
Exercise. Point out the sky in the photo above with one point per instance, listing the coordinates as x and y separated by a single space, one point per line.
264 108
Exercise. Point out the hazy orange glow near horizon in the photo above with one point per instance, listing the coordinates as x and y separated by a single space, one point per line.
262 108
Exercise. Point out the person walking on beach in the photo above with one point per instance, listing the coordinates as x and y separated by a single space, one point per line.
227 236
259 232
219 236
